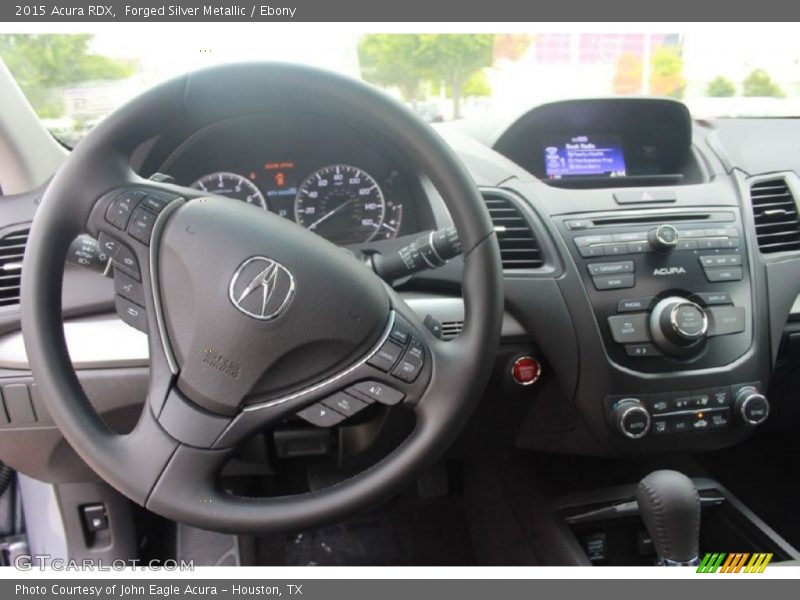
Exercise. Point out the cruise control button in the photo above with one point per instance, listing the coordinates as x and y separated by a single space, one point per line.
142 225
321 416
344 404
131 313
725 320
121 208
409 368
128 287
386 356
614 282
627 329
723 274
375 391
625 266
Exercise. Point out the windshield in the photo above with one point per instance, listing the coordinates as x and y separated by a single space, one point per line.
74 80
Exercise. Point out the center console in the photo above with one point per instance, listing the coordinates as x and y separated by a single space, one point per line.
670 290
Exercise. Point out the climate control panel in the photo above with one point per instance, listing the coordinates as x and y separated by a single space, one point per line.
686 412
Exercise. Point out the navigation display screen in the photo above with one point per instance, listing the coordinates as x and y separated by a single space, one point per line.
584 155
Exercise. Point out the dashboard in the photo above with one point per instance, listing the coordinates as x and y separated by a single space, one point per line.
650 289
319 173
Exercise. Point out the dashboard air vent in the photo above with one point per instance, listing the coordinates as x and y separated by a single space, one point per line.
519 248
12 248
775 216
451 329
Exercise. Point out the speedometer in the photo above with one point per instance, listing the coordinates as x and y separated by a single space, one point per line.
233 186
341 203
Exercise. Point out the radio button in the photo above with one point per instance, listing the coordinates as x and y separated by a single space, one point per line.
614 282
615 249
590 251
691 233
721 260
686 245
722 274
625 266
588 240
630 328
631 236
638 248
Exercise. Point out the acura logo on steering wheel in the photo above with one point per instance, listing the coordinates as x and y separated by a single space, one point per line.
261 288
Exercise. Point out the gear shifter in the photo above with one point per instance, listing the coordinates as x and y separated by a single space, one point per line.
670 507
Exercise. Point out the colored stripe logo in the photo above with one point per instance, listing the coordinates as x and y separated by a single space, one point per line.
735 562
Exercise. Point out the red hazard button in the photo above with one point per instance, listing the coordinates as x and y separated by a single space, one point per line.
526 370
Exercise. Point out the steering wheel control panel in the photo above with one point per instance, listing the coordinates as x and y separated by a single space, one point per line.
670 290
686 412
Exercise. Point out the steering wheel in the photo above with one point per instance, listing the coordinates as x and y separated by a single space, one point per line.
251 318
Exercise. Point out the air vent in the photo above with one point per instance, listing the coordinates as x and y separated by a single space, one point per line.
451 329
519 248
12 248
775 216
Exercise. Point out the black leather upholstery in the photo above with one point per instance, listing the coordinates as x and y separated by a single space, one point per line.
670 507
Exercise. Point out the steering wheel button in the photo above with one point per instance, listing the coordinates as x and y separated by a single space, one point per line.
386 356
120 210
131 313
375 391
321 415
154 203
399 334
108 244
142 225
344 404
128 287
126 261
408 370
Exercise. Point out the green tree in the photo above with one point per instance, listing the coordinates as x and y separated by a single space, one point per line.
760 84
720 87
44 64
393 61
453 59
666 74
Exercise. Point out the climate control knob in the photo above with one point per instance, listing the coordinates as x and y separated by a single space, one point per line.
678 325
752 406
631 418
663 238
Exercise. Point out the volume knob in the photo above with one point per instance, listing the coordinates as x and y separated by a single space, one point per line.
663 238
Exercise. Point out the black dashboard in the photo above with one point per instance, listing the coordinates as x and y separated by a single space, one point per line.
651 262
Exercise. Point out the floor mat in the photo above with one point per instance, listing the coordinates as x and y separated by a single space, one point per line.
406 531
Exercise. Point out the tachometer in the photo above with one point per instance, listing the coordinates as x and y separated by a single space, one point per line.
341 203
233 186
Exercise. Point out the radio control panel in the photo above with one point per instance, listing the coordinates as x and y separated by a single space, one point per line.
670 290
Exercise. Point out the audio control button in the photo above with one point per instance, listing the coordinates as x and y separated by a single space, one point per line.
627 329
715 298
635 304
726 320
642 350
625 266
721 260
724 274
614 282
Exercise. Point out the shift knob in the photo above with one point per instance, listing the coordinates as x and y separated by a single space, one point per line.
670 508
